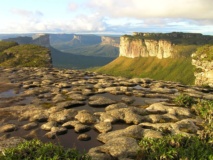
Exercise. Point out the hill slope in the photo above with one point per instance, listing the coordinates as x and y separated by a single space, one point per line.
13 55
179 70
67 60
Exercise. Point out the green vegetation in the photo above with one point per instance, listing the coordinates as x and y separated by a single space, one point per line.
5 45
170 69
174 148
204 53
25 56
36 150
184 100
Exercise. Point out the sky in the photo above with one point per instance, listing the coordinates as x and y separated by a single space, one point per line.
106 16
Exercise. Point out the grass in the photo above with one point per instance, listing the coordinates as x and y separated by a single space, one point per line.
204 53
170 69
37 150
5 45
174 148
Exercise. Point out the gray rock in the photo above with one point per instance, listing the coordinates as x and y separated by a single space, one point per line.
47 126
84 137
99 101
30 126
86 117
8 128
103 127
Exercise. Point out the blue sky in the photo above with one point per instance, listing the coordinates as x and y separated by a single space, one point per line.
106 16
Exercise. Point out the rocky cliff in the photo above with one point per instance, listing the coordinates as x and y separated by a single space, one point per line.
160 45
145 48
112 41
79 40
203 61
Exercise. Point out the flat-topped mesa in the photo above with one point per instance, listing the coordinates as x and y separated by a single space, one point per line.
113 41
160 45
145 48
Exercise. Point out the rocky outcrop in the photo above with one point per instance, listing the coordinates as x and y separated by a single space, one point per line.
112 41
79 40
203 61
130 47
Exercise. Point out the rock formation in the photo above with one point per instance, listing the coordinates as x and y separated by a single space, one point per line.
145 48
203 61
113 41
160 45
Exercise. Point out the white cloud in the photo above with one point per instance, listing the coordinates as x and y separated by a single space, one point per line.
191 9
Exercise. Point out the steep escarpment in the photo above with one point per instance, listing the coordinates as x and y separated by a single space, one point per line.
161 45
145 48
203 61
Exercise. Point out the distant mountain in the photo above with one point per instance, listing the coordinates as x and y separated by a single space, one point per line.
89 45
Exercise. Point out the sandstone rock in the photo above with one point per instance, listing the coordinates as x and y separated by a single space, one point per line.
63 115
129 115
97 154
103 127
47 126
70 104
30 126
99 101
50 135
120 147
84 137
86 117
8 128
127 100
70 124
149 133
80 128
77 97
116 106
59 130
132 131
104 117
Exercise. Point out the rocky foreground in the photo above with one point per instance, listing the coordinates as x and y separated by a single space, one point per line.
50 103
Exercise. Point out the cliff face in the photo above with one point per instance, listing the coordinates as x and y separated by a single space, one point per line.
145 48
112 41
203 61
79 40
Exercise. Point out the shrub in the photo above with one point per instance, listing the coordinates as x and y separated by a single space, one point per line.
35 149
174 148
184 100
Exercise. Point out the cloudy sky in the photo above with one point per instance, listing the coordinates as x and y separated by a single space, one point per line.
106 16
